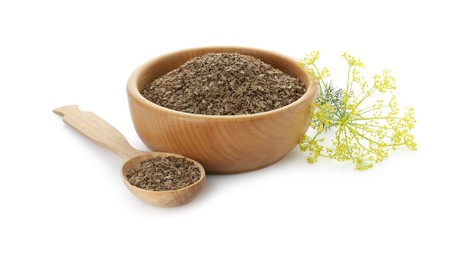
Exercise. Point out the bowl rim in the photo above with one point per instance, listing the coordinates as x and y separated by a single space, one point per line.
132 88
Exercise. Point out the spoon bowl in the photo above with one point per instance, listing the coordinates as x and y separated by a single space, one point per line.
169 198
105 135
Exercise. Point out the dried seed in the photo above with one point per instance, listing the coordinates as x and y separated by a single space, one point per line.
164 173
224 84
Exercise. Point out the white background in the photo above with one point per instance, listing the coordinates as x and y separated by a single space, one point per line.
61 196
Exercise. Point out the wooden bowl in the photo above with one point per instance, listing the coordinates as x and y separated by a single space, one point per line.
222 144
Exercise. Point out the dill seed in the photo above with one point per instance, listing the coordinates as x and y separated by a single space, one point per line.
164 173
224 84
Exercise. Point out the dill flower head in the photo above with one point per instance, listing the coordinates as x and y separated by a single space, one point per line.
365 126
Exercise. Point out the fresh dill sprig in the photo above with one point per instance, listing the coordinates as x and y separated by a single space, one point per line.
329 94
364 129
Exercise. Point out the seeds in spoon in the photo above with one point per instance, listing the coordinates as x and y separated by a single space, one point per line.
164 173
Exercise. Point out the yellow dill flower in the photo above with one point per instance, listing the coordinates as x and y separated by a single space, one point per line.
352 61
365 128
384 82
409 142
311 146
362 160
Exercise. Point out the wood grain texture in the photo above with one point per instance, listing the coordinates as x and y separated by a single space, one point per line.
105 135
222 144
98 131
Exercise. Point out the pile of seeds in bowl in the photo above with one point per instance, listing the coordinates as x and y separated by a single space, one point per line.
164 173
224 84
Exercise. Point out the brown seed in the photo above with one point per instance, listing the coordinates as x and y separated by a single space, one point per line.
164 173
224 84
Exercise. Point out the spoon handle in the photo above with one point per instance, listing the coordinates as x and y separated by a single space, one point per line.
98 131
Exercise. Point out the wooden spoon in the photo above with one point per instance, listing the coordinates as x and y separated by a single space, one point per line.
105 135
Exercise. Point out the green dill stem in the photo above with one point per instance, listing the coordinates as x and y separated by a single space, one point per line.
373 141
338 116
317 73
363 136
358 142
378 118
344 137
317 133
371 108
349 84
367 94
367 128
